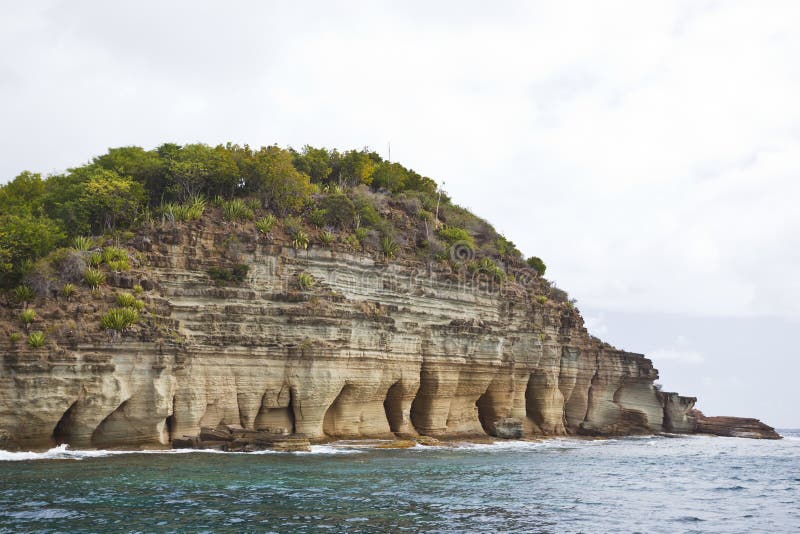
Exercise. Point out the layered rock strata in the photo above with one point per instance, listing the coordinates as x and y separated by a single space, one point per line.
373 349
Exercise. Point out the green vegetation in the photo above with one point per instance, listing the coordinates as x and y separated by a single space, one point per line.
327 237
14 337
27 316
371 203
68 290
265 225
191 210
305 281
22 294
536 264
222 275
94 278
453 235
389 247
541 299
127 300
119 319
137 289
82 243
36 340
300 240
237 210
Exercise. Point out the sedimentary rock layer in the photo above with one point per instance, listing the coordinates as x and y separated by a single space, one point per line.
374 348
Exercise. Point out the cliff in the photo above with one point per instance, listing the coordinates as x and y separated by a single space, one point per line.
371 348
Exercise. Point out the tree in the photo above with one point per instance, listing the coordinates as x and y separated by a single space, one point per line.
111 200
356 167
390 176
23 239
315 162
273 177
145 166
23 194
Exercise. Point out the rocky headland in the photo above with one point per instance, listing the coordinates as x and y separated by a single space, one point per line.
314 339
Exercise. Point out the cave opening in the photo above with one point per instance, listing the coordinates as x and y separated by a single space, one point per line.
486 413
170 423
332 423
393 406
63 429
277 418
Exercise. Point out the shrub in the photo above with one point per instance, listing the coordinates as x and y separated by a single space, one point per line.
95 259
119 319
361 234
489 267
305 281
537 265
14 337
300 240
339 210
293 225
236 210
453 235
68 290
389 246
191 210
318 217
541 299
22 294
352 241
327 237
114 254
27 316
237 274
137 289
82 243
94 278
265 225
36 340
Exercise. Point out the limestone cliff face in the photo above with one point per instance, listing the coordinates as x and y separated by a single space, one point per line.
372 349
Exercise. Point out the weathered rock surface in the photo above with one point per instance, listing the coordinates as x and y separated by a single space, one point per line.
374 350
735 427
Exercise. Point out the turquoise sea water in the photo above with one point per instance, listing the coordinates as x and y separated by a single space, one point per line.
655 484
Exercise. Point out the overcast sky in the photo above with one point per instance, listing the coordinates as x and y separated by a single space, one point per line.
649 152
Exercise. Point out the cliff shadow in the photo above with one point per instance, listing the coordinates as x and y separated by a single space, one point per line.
393 406
62 433
277 418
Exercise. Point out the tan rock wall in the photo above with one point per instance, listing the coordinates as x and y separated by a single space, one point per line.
371 349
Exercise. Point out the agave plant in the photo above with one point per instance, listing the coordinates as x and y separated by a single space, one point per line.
27 316
68 290
82 243
305 281
127 300
23 294
36 340
300 240
265 225
327 237
94 278
389 246
119 319
236 210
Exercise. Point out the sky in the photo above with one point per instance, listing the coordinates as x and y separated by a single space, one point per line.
648 151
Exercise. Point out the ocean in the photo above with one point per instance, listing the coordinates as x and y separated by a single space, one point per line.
645 484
